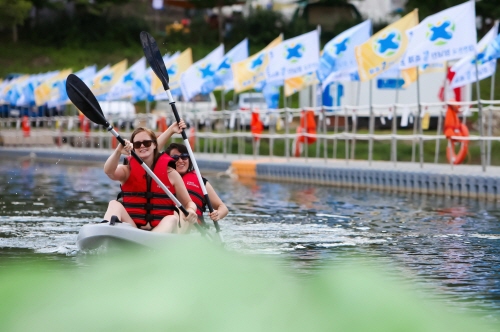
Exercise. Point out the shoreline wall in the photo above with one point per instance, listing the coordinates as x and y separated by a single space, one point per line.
442 180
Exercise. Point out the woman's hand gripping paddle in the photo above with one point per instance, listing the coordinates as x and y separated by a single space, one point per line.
153 55
85 101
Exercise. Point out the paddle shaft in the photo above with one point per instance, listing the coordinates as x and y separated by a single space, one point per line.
191 155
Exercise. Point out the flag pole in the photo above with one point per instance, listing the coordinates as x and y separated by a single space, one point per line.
480 113
323 112
318 28
440 118
490 108
415 121
355 122
224 141
371 125
490 116
419 121
287 128
223 92
394 146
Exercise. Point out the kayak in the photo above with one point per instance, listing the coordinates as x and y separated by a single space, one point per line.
104 235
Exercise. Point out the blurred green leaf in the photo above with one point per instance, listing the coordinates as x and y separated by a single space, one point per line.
192 286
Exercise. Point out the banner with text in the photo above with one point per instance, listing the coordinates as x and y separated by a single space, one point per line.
384 48
250 73
447 35
294 57
338 53
465 69
192 79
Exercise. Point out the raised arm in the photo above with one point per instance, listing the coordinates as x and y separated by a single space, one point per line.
173 129
182 195
112 169
220 209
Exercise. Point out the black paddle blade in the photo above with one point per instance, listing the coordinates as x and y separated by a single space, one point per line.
153 55
84 100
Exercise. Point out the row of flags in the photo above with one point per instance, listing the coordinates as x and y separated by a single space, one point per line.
399 50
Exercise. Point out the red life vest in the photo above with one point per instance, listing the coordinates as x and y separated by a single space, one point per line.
194 189
143 199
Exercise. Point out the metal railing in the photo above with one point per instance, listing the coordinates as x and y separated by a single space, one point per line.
217 131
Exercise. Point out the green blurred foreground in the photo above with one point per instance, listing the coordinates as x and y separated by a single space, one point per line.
192 286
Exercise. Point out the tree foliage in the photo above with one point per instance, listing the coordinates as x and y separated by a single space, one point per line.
91 23
429 7
14 12
40 4
212 3
219 4
97 7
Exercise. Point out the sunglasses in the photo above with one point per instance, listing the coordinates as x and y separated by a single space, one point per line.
146 144
183 156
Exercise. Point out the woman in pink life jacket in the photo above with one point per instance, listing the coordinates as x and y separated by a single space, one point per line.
185 168
145 204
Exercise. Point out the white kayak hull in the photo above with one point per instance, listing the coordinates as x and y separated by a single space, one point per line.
93 236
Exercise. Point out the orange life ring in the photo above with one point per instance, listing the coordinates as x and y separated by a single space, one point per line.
453 127
256 126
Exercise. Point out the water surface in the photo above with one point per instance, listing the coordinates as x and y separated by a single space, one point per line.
450 247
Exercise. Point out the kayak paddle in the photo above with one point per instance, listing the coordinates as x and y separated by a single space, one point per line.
153 55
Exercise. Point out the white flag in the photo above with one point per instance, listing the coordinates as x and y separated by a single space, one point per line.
338 53
465 69
294 57
126 87
193 78
447 35
341 76
224 74
157 4
87 73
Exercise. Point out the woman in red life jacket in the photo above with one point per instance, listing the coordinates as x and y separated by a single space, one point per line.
185 168
145 204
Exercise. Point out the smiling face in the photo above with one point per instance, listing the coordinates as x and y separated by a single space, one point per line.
181 166
142 151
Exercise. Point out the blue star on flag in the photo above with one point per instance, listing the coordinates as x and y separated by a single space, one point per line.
294 52
479 59
225 64
129 77
172 70
440 31
206 72
106 78
387 43
257 62
341 47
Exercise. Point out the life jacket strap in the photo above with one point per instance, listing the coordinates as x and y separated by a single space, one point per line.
147 195
149 206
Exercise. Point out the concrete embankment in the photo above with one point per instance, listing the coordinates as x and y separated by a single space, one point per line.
433 179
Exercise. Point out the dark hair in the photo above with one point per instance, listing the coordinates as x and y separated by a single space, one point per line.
151 134
182 149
